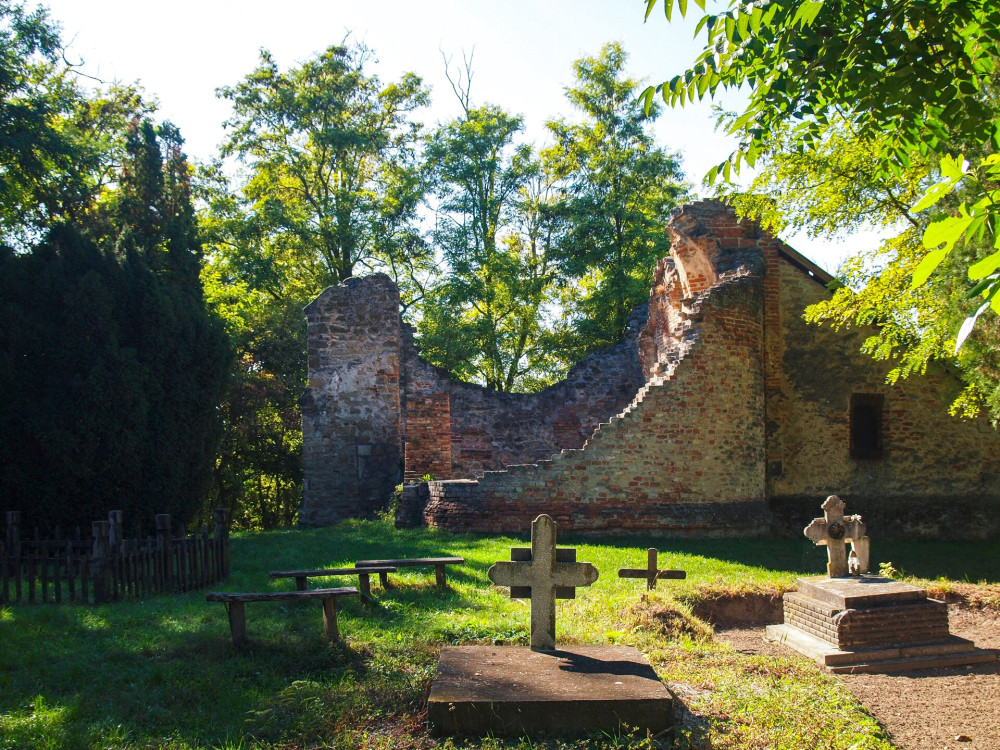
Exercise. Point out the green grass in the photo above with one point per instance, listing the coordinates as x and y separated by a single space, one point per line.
163 672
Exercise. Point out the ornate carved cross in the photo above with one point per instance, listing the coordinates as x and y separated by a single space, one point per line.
650 572
835 531
542 575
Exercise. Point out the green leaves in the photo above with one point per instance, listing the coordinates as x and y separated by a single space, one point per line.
668 6
953 173
330 176
985 267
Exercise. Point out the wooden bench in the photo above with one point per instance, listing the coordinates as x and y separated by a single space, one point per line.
235 606
438 564
364 581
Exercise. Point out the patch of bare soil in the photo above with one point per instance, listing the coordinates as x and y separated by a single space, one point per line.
928 709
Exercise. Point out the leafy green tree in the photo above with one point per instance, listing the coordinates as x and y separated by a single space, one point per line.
258 470
329 184
330 179
839 186
915 79
482 321
59 146
619 189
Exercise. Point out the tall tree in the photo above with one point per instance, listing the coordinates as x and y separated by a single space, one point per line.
620 188
111 366
482 321
330 179
329 187
60 147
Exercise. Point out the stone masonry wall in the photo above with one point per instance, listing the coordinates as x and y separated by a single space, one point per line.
375 413
937 475
722 414
351 426
489 429
687 456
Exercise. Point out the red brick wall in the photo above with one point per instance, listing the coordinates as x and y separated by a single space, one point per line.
428 436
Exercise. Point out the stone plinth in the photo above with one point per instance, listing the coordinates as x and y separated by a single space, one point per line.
870 624
512 690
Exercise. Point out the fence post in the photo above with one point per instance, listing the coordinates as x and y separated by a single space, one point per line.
221 532
14 550
115 553
163 558
99 564
114 530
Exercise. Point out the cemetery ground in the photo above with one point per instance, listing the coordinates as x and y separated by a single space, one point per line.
163 673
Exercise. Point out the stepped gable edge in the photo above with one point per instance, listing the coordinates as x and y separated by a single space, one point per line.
686 456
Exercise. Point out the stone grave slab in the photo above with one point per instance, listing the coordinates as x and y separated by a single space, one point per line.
859 591
865 623
513 690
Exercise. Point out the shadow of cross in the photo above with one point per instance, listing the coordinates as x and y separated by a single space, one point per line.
835 531
542 577
650 572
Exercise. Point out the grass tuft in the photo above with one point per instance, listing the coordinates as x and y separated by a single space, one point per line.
667 618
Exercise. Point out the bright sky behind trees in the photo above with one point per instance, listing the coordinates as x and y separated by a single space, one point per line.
523 56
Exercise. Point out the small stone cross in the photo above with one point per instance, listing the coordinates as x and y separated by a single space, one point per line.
546 575
650 572
834 531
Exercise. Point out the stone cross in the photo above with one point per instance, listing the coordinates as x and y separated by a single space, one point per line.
835 531
543 576
650 572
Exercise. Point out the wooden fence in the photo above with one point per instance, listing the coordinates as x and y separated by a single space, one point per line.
109 567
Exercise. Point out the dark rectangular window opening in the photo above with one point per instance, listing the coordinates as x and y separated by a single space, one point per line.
866 425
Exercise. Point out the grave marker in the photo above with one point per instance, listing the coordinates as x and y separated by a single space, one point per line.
545 576
835 531
650 572
513 690
865 623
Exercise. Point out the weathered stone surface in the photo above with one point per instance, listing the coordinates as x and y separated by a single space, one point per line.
937 476
352 445
862 591
510 690
952 652
835 531
540 578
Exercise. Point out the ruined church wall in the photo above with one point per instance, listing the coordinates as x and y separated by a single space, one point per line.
351 426
937 475
374 412
685 458
486 430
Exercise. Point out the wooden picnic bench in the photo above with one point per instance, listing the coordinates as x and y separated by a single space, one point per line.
438 564
364 581
235 606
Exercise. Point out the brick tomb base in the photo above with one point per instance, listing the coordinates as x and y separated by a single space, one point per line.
870 624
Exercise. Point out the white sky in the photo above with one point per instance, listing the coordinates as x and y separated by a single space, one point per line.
182 51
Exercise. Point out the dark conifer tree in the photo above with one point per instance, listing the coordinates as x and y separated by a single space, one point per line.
111 366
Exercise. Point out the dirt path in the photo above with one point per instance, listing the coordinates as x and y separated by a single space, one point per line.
927 709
